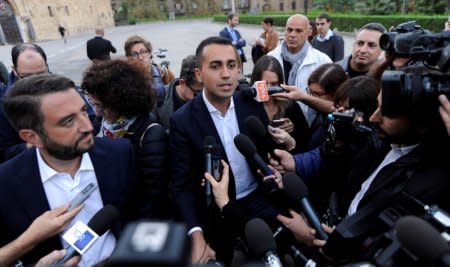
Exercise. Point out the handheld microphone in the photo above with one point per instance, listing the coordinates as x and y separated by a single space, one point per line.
208 144
248 149
260 241
99 223
260 91
217 152
285 238
258 132
423 240
296 189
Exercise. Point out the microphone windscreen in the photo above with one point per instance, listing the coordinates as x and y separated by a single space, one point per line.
255 127
420 238
104 219
245 145
259 237
209 141
294 187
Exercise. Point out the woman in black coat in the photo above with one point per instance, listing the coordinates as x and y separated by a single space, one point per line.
122 92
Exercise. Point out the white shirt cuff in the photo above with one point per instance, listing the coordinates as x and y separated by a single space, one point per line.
194 229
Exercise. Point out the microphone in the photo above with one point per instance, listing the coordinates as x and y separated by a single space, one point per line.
260 91
260 241
217 152
296 189
259 133
423 240
248 149
285 239
208 144
99 223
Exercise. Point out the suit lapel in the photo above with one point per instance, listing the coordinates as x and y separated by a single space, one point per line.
30 191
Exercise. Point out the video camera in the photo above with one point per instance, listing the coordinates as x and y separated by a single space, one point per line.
343 126
414 89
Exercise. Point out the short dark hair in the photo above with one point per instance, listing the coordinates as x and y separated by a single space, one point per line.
266 63
268 20
22 103
122 85
329 76
361 92
373 26
188 66
210 41
231 15
324 16
19 48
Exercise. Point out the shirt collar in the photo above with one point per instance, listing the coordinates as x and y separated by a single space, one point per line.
326 38
48 172
214 110
403 150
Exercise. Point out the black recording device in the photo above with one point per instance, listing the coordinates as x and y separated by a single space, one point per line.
343 126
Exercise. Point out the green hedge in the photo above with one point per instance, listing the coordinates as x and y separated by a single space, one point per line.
349 23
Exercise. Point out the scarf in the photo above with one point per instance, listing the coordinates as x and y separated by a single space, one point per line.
117 128
296 59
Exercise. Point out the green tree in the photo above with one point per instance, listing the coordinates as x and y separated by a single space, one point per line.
334 5
431 6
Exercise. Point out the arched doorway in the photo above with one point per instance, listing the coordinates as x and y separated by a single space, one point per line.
8 22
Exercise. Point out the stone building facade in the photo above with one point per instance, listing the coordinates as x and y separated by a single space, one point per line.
37 20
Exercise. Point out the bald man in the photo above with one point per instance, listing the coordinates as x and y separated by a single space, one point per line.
299 59
99 48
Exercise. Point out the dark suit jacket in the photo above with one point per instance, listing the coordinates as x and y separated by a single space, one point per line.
99 48
23 199
239 45
189 125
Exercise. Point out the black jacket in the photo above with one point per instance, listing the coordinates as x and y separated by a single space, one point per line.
150 141
99 48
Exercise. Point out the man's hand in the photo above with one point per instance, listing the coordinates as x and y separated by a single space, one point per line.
281 136
444 109
201 252
51 223
319 242
298 226
56 255
286 161
287 125
220 189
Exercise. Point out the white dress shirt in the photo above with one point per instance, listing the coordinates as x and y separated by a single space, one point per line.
60 188
227 127
395 153
326 37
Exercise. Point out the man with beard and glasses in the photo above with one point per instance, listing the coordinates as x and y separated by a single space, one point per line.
48 112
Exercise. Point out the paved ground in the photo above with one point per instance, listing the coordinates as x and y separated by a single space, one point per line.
179 37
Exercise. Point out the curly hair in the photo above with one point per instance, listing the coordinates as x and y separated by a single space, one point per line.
123 85
133 40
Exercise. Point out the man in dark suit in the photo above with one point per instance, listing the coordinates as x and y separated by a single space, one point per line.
49 114
99 48
220 113
234 36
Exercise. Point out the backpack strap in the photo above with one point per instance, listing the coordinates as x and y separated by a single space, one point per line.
145 132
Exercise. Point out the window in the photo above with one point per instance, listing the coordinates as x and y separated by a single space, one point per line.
294 5
66 9
50 12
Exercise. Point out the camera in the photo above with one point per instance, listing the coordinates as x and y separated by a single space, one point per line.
342 126
397 41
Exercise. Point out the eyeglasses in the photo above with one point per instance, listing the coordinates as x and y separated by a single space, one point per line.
25 75
313 93
139 54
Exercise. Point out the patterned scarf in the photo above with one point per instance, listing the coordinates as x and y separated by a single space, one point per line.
296 59
117 128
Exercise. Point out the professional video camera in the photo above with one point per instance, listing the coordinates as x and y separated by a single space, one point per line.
371 235
343 126
414 89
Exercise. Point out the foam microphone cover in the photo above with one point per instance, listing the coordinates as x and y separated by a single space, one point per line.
209 141
103 219
259 237
255 127
245 145
294 187
420 238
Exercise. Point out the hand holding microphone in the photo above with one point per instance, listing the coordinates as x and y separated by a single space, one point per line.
220 188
